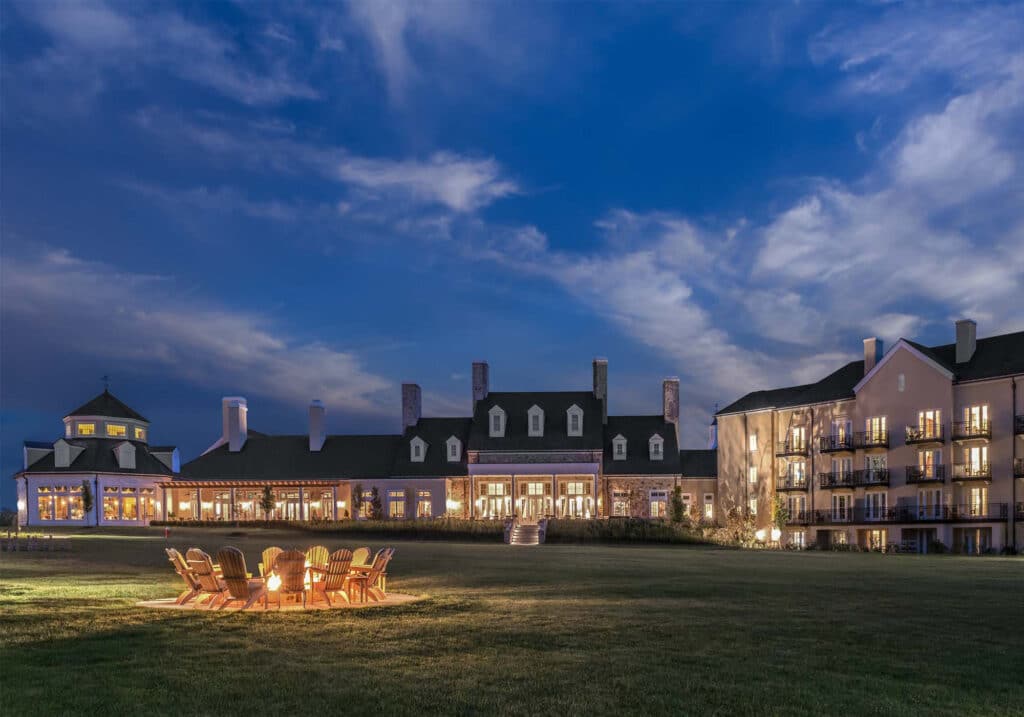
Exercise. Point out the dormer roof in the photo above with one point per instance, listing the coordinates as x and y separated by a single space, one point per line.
638 432
516 405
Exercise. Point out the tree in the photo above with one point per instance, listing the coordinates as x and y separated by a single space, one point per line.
376 507
87 500
780 512
678 507
267 502
357 500
410 503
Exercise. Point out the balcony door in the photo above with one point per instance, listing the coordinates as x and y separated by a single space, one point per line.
977 500
842 467
976 460
875 428
874 504
929 423
842 507
927 461
875 462
798 438
976 417
929 503
841 429
797 506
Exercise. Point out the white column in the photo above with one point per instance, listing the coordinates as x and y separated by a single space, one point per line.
231 507
593 512
334 502
302 503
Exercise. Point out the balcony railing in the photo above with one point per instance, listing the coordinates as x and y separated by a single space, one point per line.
972 471
1018 425
871 439
871 476
1018 468
979 512
1020 511
792 481
835 443
925 434
791 448
926 474
967 430
802 517
836 479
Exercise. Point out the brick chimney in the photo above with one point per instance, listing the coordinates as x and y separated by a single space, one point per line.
412 404
235 414
966 339
601 386
872 353
481 381
670 402
317 426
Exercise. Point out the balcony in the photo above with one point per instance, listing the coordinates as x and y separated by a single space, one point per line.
836 479
1020 511
836 443
972 471
791 448
920 435
972 430
926 474
980 512
1018 468
803 517
871 477
871 439
1018 425
792 481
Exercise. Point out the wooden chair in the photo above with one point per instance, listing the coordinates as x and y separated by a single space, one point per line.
206 576
376 578
185 572
317 556
290 566
268 558
336 577
361 556
239 585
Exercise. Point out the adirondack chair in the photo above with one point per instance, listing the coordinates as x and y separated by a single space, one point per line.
268 558
376 578
185 572
361 557
290 566
240 588
209 583
317 556
336 577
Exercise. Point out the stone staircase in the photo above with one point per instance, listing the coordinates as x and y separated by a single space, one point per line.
525 534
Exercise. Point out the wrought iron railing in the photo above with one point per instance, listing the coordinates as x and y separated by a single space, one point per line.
978 512
871 439
836 479
792 481
966 430
972 471
1018 425
791 448
871 476
926 474
1018 468
835 442
925 434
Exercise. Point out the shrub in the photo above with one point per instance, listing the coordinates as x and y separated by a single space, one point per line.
440 529
619 530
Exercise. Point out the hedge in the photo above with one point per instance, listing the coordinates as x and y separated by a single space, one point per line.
441 529
621 530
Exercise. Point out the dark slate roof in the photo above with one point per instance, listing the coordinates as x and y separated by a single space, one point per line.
266 457
107 404
698 463
99 457
38 444
556 435
436 432
993 356
637 430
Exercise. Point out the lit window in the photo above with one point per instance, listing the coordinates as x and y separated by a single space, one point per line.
140 433
620 503
366 507
753 442
659 503
116 430
709 506
752 506
495 489
396 504
87 429
424 505
752 474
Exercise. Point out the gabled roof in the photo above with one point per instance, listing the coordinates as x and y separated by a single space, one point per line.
994 356
556 436
98 457
637 430
436 432
701 463
107 404
922 353
837 386
288 457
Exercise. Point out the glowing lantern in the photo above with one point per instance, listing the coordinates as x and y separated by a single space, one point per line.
760 535
776 534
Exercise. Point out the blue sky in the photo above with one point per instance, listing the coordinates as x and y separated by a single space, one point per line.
324 200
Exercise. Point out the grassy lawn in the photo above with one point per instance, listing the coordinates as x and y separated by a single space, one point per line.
558 629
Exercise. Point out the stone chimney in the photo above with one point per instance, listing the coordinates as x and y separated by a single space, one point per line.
670 402
481 381
235 411
966 339
412 404
317 426
601 386
872 353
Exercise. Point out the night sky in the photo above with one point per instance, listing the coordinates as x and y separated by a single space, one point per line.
322 201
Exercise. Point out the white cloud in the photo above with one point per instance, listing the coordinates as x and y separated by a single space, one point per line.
144 321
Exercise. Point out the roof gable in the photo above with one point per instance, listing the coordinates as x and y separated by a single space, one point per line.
904 345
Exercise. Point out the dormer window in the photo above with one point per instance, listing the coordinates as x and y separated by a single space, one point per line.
496 417
417 450
619 448
454 447
574 416
656 446
535 421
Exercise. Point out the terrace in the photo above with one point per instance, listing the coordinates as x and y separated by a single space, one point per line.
924 435
926 474
972 471
959 513
972 430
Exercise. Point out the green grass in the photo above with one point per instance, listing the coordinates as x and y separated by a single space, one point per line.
559 629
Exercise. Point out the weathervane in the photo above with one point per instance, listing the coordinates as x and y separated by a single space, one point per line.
106 382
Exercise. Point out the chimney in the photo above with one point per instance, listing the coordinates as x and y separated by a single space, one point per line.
412 404
481 381
235 413
317 426
670 402
872 353
601 386
966 339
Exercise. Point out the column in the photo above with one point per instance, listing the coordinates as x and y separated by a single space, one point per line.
515 498
164 502
472 498
302 503
231 507
554 495
334 503
594 513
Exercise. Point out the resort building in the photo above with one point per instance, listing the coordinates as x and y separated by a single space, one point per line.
525 455
102 471
917 446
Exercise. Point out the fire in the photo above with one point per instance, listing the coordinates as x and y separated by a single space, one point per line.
274 582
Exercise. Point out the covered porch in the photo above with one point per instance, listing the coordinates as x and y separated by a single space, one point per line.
531 493
234 501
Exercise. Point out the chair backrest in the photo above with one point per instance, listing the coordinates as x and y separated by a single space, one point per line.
202 568
360 556
269 556
290 566
232 569
181 568
380 564
317 556
338 565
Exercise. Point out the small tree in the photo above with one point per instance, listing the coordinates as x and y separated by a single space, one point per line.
357 500
678 507
376 507
267 502
87 500
780 512
410 503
